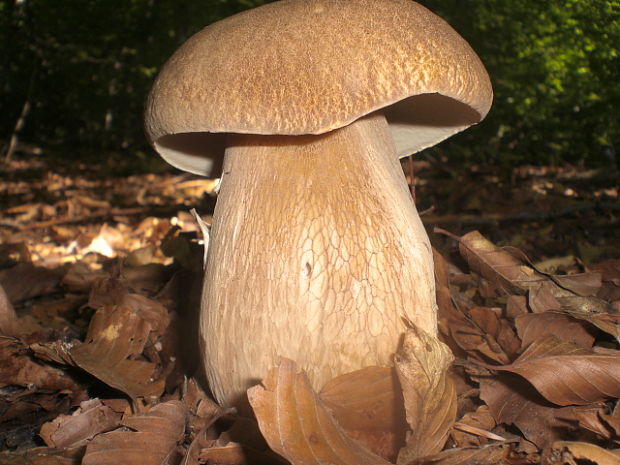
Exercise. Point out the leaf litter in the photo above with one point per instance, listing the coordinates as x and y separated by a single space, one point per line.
93 370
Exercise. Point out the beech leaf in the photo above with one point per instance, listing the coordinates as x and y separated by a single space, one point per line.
422 365
566 374
586 451
513 401
297 425
368 404
151 440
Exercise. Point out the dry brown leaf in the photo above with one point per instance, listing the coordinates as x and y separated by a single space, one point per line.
566 374
116 342
43 456
566 452
494 454
233 453
80 277
516 305
8 317
513 401
368 404
151 439
365 399
93 417
297 425
499 267
542 298
533 326
229 454
607 322
25 281
202 410
589 417
582 284
498 331
481 419
609 269
457 329
422 364
19 369
511 272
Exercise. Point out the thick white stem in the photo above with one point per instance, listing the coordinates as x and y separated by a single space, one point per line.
317 254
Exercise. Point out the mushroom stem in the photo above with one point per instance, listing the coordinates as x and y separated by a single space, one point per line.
316 254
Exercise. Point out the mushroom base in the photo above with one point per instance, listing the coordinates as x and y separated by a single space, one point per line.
317 254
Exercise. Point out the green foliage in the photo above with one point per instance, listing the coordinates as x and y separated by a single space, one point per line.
86 67
555 69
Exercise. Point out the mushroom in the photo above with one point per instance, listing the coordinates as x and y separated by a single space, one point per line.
317 252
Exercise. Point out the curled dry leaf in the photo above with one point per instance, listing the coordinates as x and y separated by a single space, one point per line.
566 452
19 369
468 431
513 401
607 322
233 453
8 318
368 404
422 364
116 342
297 425
486 455
43 456
25 281
499 267
459 331
590 417
93 417
566 374
148 439
510 271
534 326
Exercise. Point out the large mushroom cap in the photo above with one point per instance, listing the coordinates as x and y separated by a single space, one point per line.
310 66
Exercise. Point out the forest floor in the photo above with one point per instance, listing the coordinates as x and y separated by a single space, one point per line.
100 269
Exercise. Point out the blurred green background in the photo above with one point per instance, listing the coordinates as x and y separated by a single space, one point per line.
78 71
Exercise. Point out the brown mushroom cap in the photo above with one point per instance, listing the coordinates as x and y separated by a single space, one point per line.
310 66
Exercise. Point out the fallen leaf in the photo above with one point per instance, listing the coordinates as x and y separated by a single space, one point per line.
422 363
498 331
609 269
25 281
511 272
8 317
19 369
493 454
368 404
533 326
233 453
93 417
498 266
43 456
607 322
117 339
151 438
480 419
566 374
297 425
567 451
458 329
513 401
589 417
